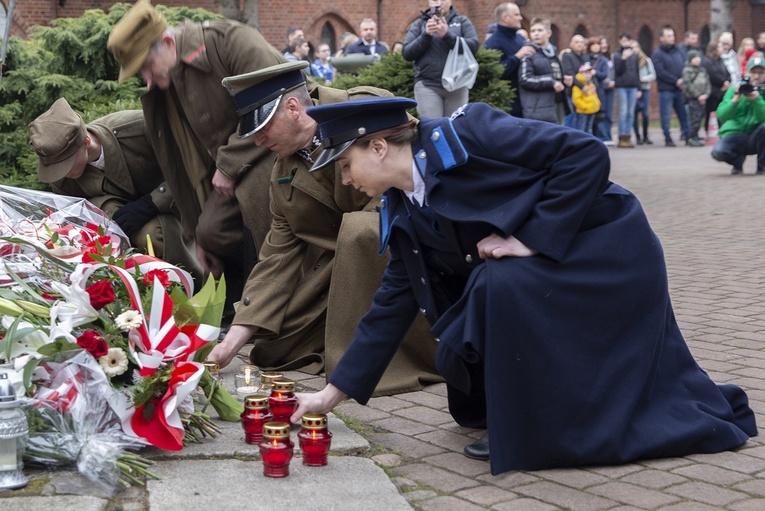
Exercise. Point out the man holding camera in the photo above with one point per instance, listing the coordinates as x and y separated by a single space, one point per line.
742 117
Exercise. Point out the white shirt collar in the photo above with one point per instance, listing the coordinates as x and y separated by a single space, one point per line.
418 194
100 164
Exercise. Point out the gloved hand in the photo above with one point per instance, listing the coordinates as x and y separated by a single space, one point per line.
134 215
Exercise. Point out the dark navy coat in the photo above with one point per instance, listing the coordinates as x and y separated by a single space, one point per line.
581 360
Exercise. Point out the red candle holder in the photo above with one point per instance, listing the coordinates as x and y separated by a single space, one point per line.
282 401
254 416
276 449
314 439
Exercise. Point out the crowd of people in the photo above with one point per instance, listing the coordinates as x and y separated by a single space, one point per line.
581 85
294 189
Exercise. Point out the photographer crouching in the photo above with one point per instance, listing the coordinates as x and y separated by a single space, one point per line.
742 120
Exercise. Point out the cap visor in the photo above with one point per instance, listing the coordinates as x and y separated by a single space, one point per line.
133 66
253 121
56 171
329 155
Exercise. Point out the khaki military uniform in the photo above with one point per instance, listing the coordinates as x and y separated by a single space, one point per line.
209 52
287 294
131 171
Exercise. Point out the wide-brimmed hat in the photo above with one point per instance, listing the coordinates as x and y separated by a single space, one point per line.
56 137
132 37
258 94
340 124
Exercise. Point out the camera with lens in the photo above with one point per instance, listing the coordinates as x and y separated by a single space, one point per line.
745 86
435 11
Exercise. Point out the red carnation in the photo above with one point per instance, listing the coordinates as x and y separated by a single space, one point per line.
164 279
92 342
101 293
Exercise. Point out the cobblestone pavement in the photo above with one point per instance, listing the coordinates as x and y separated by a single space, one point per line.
712 226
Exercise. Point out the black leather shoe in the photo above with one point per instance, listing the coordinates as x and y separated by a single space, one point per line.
478 450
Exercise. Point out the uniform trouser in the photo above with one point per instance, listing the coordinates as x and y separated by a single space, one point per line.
735 147
221 231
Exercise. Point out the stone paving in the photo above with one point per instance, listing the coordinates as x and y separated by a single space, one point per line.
712 226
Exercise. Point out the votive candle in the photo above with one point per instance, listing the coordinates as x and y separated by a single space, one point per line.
254 416
276 449
282 401
314 439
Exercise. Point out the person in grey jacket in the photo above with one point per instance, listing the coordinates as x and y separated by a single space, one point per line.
427 44
541 78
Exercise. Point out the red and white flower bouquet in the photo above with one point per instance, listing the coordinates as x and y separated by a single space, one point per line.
70 284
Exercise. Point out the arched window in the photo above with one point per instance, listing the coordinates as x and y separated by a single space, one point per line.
645 39
705 36
554 37
581 30
328 36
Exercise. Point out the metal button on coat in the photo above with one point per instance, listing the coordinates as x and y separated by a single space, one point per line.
421 155
436 135
469 259
422 279
246 301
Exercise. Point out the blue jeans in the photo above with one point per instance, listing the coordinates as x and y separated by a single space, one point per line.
584 122
669 100
734 148
607 106
626 98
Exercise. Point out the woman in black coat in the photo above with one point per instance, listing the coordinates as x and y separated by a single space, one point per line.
719 77
543 283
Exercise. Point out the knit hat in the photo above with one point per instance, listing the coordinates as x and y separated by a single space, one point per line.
693 54
56 137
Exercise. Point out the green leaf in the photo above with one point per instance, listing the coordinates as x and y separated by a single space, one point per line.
56 347
29 370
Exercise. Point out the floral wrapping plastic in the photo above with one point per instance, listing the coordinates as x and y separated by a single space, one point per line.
69 282
71 423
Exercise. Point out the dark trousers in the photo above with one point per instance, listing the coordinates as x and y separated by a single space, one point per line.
642 108
734 148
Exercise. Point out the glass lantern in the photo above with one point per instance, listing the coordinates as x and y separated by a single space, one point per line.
14 433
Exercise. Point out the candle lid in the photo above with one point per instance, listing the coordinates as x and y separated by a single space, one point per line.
267 378
276 430
211 366
283 385
256 402
314 421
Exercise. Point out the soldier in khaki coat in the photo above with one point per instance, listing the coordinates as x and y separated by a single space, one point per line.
110 163
191 124
286 305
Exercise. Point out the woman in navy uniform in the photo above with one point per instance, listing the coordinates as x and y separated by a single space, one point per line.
542 280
